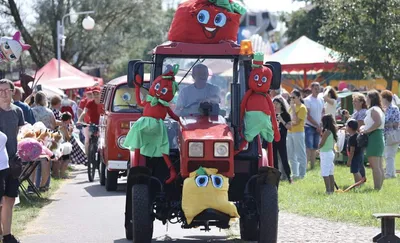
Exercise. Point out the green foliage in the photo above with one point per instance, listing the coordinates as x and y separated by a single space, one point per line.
124 30
304 22
307 197
367 30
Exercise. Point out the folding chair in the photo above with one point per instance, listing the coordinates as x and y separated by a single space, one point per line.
28 169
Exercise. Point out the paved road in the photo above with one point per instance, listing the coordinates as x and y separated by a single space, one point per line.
83 212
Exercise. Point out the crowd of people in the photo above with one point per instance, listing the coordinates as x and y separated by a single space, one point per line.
307 123
57 114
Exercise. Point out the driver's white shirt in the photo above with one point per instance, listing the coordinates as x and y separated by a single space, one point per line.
190 95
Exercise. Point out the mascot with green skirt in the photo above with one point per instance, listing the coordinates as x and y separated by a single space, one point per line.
256 109
148 136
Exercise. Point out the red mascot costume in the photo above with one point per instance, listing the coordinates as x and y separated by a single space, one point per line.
148 136
257 109
206 21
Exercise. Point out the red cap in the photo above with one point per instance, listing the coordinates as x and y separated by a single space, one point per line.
88 90
96 89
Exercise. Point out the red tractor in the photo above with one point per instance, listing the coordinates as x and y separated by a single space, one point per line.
207 138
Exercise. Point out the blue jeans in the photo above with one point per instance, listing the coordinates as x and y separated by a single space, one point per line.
39 176
296 150
312 137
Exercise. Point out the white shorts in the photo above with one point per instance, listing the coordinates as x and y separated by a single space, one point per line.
327 165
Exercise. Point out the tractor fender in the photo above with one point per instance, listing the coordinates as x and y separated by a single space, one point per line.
269 176
138 175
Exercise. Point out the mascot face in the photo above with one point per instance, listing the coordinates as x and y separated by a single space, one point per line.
205 189
12 48
212 19
204 22
260 79
162 89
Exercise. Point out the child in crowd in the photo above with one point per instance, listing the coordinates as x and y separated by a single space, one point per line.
66 130
327 154
355 154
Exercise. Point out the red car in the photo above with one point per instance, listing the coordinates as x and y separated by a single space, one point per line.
121 111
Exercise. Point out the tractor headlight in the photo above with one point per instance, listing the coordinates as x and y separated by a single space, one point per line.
196 149
120 142
221 149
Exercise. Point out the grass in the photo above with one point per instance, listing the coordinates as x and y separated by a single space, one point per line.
26 211
306 197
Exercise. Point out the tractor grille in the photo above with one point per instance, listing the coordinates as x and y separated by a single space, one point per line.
222 166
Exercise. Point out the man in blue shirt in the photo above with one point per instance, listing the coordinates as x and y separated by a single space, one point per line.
17 97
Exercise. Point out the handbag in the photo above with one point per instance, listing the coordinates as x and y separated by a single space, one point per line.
15 164
393 137
362 140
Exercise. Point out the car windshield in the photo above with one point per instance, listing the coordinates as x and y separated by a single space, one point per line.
125 101
206 80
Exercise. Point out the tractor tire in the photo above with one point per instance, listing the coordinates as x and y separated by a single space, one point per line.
268 214
129 233
248 228
111 180
142 221
102 171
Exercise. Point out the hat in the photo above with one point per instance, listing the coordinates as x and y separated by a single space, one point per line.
258 59
230 6
96 89
88 90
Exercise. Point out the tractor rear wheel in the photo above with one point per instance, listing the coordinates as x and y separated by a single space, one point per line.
268 214
142 220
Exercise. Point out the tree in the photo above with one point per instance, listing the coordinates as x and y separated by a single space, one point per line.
365 30
305 21
119 24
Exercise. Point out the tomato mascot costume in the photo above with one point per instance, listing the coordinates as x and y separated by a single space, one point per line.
12 48
206 21
257 109
148 136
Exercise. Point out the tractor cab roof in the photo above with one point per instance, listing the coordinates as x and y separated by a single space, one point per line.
180 48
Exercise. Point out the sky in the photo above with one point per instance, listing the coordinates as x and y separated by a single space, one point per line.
28 16
270 5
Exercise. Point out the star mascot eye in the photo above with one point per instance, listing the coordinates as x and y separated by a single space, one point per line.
164 91
157 87
202 181
217 181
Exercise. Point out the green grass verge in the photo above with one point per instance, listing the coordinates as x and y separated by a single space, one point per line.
26 211
306 197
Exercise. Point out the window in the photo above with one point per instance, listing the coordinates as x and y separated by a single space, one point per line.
252 20
124 100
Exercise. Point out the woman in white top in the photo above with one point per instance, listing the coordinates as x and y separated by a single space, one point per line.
374 125
3 152
330 98
42 113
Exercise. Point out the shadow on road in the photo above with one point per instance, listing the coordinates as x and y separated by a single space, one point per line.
188 239
100 191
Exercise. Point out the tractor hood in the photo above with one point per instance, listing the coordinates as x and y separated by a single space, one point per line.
205 128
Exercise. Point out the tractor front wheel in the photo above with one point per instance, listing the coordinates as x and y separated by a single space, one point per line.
142 220
268 225
248 228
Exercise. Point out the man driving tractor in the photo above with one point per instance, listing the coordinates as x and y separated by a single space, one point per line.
200 91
